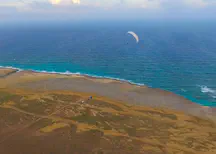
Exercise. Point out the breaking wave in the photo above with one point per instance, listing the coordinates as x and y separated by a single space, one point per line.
210 91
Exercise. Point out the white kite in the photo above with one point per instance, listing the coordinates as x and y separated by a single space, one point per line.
134 35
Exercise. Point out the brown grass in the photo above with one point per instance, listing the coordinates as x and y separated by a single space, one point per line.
98 126
53 127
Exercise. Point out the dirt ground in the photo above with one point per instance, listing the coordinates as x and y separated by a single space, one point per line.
50 114
113 89
60 122
6 71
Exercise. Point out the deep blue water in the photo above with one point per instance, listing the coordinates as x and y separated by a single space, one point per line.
179 57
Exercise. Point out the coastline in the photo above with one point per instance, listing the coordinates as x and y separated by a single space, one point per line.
78 74
4 72
119 90
203 103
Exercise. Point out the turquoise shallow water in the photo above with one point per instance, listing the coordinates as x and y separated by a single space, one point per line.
179 57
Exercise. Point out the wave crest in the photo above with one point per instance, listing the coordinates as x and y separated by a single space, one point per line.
205 89
210 91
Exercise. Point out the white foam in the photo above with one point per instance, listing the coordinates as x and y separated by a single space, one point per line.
90 75
54 72
10 67
205 89
210 91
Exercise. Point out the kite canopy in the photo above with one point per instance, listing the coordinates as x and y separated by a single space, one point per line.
134 35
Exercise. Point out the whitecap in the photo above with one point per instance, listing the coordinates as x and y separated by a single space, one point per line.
207 90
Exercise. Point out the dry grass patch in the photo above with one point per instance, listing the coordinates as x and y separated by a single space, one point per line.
53 127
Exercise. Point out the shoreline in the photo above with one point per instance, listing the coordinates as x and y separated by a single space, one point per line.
45 106
113 89
4 72
92 76
68 73
118 90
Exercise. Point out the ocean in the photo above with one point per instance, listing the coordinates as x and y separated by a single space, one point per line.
176 56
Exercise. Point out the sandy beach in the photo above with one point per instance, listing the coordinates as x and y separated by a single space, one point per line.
112 89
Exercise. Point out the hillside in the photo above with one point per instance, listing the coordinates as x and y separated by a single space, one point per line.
66 122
